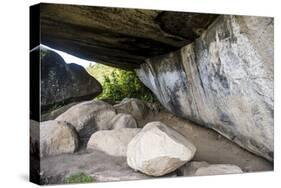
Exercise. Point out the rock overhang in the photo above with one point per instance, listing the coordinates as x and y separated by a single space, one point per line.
119 37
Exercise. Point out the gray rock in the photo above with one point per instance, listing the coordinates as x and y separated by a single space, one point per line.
63 83
119 37
158 150
112 142
88 117
55 113
201 168
218 169
223 80
190 168
57 138
123 121
99 165
136 107
117 175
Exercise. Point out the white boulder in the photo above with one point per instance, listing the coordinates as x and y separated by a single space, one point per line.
158 150
88 117
112 142
57 138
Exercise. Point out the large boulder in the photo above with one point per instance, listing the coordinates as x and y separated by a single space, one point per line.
112 142
223 80
158 150
63 83
88 117
57 138
218 169
123 121
55 113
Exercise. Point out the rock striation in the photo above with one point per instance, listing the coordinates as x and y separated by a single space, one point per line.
63 83
223 80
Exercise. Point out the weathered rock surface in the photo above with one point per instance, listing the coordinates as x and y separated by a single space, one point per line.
55 113
190 168
218 169
112 142
202 168
158 150
63 83
57 138
88 117
123 121
118 37
99 165
136 107
211 146
223 80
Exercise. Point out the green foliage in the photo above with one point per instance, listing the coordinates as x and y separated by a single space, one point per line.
118 84
79 178
99 70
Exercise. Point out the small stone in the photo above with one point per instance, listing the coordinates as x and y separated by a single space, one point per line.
218 169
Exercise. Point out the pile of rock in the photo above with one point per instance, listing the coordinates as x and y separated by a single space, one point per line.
155 150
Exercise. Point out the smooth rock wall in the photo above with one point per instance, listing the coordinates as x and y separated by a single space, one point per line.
223 80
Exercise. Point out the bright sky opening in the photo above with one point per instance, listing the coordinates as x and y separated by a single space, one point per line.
70 58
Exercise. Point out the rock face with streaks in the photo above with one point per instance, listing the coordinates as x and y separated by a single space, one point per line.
214 70
223 80
63 83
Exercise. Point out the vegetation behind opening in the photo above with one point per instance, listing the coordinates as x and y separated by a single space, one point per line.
118 84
